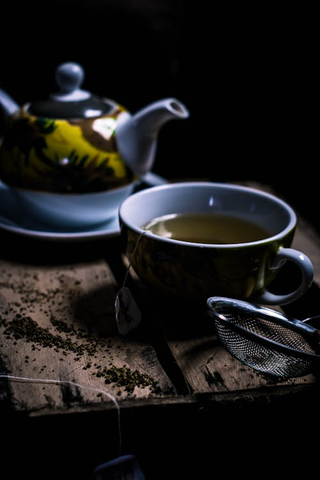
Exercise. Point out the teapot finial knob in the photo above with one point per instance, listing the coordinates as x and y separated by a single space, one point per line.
69 77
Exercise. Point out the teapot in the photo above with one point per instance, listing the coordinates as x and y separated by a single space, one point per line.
77 142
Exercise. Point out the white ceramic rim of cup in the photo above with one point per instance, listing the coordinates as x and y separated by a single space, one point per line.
278 236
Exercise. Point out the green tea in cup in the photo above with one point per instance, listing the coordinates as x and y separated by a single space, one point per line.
206 228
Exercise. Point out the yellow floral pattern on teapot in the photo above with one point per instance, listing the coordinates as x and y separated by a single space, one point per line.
62 155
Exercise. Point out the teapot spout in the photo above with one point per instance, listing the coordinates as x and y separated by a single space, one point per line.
7 104
137 135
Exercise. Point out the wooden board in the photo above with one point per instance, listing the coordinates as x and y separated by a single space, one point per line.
58 323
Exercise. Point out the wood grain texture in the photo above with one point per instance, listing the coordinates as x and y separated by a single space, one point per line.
58 323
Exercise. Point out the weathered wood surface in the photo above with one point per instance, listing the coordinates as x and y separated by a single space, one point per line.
58 323
172 357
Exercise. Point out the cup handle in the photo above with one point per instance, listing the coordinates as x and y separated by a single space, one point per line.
307 272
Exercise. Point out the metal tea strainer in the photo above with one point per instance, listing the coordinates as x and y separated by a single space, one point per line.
266 339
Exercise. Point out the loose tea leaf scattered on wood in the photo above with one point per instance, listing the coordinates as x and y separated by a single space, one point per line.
24 327
124 377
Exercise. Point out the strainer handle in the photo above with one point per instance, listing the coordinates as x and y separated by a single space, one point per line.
307 272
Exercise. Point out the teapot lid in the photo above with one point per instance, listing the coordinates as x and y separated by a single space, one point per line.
71 101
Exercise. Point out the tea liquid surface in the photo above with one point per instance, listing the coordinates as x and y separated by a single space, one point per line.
206 228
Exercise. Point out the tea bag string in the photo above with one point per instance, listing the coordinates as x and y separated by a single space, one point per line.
127 312
74 384
132 257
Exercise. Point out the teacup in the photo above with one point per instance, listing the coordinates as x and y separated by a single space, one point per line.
191 269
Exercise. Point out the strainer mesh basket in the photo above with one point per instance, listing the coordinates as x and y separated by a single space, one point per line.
264 345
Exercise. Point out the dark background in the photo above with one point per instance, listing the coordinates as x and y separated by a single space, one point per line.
248 77
246 73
